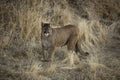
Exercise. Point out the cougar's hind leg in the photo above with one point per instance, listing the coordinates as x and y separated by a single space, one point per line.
80 52
71 47
72 42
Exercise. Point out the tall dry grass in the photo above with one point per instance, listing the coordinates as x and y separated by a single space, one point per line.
20 45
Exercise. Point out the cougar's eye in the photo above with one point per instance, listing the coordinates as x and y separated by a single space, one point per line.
45 32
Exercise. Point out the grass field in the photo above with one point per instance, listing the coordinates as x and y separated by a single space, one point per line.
20 43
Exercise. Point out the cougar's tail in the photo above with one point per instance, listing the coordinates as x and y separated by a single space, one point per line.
79 50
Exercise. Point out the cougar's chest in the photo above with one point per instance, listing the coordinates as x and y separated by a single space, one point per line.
46 42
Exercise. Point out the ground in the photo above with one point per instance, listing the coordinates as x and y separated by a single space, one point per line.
20 43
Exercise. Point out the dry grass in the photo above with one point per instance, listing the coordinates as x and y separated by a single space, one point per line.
20 45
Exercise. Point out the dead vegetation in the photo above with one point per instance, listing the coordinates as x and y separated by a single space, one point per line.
20 45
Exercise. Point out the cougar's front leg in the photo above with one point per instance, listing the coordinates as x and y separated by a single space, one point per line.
44 54
51 53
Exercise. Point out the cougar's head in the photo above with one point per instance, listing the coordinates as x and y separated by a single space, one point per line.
46 29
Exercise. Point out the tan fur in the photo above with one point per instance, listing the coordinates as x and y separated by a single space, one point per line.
58 37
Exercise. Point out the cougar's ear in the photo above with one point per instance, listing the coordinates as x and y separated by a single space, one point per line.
49 24
42 24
